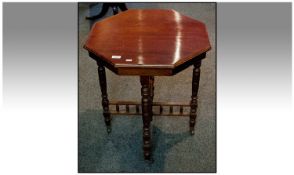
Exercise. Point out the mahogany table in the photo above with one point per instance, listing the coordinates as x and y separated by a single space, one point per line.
148 43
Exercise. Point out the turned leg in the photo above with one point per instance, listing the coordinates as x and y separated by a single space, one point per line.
146 114
151 94
193 104
105 102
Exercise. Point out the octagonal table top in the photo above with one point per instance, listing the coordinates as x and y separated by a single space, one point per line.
155 40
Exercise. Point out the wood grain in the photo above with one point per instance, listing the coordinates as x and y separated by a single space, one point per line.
159 40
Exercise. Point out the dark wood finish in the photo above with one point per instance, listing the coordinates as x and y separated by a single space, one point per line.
117 108
153 49
152 86
171 109
194 97
148 71
181 110
149 43
151 94
158 112
114 113
137 108
105 101
146 114
153 103
106 6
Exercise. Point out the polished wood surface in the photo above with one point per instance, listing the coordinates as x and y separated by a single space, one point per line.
148 43
156 40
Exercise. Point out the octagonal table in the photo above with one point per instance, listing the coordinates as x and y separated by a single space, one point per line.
148 43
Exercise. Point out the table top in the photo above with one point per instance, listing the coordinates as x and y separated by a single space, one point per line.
141 40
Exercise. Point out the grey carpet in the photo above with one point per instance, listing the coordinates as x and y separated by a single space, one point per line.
174 150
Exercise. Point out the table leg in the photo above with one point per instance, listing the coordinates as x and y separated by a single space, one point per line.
152 93
193 104
146 92
105 102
